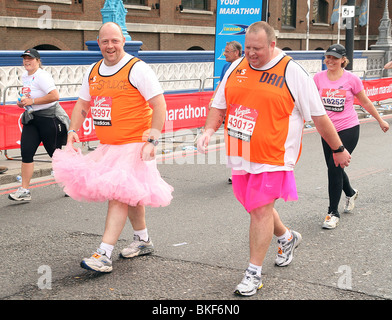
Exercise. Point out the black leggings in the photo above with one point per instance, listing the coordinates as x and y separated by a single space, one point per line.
337 178
50 131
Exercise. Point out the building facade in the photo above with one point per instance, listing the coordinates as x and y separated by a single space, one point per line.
172 24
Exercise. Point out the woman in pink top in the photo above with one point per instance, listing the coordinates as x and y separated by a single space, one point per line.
338 88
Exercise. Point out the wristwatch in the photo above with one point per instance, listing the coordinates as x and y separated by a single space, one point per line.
340 149
154 142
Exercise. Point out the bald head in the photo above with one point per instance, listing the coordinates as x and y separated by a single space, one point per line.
111 41
111 26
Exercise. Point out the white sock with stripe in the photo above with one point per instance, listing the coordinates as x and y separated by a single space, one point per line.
108 248
143 234
287 236
255 268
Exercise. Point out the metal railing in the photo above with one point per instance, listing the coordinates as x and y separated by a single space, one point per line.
184 80
366 72
208 78
201 85
20 86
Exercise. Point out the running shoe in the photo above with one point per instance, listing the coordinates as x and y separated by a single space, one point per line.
137 248
21 194
350 202
331 221
98 262
286 249
249 284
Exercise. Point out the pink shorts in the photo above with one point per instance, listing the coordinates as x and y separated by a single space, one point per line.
257 190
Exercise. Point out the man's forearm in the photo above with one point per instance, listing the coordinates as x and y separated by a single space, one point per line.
79 114
158 105
327 131
214 120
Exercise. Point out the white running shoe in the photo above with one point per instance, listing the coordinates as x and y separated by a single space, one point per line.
137 248
249 284
21 194
97 262
286 249
331 221
350 202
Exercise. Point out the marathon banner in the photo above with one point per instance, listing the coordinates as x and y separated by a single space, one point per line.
233 17
377 90
187 110
184 111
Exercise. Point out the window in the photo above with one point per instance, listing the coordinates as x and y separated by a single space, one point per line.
320 11
194 4
52 1
135 2
289 13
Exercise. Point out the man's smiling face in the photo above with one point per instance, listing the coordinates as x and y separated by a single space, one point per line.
111 42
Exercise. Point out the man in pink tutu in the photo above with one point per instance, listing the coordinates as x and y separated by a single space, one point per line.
128 108
266 97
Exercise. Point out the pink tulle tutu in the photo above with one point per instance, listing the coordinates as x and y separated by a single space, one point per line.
111 172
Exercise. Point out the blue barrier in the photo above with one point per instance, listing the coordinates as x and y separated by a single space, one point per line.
87 57
57 57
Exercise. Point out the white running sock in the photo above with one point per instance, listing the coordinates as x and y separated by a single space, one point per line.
143 234
108 248
286 236
255 268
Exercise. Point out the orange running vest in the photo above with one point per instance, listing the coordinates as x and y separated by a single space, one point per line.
259 105
121 114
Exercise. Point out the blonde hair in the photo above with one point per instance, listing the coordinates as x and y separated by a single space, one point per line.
345 62
262 25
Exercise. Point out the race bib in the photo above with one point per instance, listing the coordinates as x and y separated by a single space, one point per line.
101 110
241 122
26 91
334 99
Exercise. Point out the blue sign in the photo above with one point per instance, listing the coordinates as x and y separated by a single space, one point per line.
232 19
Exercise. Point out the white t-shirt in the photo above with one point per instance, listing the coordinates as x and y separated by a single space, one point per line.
307 103
38 85
142 77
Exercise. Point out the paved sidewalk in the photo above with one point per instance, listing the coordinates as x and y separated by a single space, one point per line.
201 256
42 165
